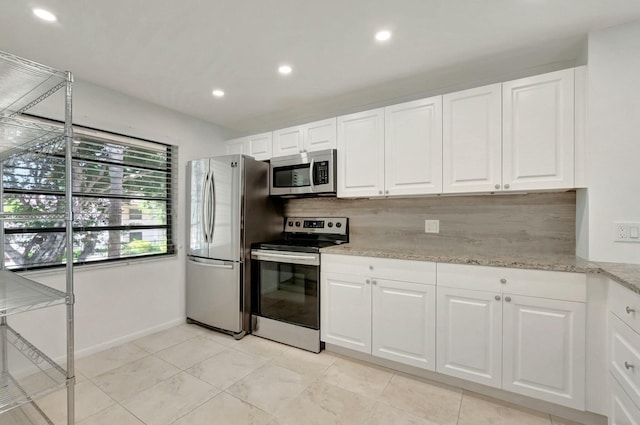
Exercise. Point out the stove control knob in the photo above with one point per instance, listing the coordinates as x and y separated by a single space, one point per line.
330 224
291 224
297 224
338 225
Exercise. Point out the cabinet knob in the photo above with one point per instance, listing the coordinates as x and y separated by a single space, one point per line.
375 282
386 191
497 186
503 281
497 297
506 186
628 365
379 192
630 310
370 267
368 281
507 299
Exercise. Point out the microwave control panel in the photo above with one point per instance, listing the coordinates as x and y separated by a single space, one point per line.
321 172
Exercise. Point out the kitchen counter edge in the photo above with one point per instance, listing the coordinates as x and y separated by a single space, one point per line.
628 275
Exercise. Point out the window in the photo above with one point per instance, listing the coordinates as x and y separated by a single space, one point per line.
123 191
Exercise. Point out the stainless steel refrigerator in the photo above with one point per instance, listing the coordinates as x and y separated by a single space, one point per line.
230 209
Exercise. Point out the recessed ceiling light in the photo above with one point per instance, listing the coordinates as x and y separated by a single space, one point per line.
45 15
383 35
285 69
218 93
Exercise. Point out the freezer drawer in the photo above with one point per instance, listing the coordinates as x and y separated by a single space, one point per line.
214 293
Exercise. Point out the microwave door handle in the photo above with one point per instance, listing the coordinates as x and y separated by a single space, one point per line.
313 163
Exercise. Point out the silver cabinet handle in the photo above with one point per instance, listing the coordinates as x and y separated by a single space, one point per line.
497 186
497 297
507 299
506 186
503 281
375 282
628 365
630 310
367 281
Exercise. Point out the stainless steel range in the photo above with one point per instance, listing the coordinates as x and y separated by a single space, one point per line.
286 280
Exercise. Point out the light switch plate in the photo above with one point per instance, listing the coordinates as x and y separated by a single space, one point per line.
626 232
432 226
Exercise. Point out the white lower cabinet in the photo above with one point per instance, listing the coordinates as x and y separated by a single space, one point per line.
622 409
403 322
544 349
346 311
491 333
470 335
387 318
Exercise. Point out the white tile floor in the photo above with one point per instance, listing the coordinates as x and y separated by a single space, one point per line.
188 375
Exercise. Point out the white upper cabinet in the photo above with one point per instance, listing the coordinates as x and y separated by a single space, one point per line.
413 147
472 140
538 132
310 137
319 135
260 145
361 154
287 141
237 146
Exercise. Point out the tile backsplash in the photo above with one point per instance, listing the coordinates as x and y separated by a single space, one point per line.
535 223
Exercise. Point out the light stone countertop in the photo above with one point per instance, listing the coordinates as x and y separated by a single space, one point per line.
628 275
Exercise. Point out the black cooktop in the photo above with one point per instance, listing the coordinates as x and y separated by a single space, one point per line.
298 245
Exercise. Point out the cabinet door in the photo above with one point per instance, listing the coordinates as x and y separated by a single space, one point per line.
469 336
413 147
472 140
623 411
260 146
287 141
320 135
237 146
404 322
544 349
345 311
361 154
538 132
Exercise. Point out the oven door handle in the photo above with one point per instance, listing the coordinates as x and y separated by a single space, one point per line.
284 258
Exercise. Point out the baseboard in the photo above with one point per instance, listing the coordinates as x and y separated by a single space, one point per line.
586 418
128 338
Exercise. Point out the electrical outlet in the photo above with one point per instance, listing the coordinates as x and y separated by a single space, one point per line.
626 232
432 226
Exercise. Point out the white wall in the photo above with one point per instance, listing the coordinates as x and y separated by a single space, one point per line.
124 300
614 141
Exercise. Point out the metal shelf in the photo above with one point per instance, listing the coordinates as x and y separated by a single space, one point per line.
19 136
19 294
24 84
27 414
39 374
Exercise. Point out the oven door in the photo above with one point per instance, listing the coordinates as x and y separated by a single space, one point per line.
286 286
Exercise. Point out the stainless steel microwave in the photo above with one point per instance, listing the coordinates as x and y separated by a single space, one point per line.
304 174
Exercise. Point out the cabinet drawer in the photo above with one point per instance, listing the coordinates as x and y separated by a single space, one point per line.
383 268
625 304
622 410
625 357
533 283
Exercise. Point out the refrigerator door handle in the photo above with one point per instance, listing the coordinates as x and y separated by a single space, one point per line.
205 208
212 263
212 205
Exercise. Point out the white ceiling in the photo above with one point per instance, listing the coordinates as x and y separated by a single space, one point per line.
174 52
